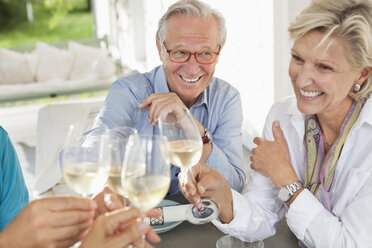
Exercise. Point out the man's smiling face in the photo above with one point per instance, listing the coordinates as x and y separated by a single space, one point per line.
189 79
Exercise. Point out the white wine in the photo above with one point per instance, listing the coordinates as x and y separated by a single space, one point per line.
84 178
114 182
114 179
185 153
145 192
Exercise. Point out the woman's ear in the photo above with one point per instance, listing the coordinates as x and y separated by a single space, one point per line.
364 75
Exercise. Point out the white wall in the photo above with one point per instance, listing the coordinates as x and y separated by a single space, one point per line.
284 12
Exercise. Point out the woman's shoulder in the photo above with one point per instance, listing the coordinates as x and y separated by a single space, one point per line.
286 105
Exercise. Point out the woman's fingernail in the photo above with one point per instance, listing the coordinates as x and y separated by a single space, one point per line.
142 227
276 123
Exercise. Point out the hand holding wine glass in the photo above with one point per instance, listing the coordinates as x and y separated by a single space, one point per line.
146 171
185 150
83 163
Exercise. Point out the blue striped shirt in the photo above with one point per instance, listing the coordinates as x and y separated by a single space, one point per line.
218 108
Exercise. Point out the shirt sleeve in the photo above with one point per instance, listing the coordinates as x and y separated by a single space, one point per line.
120 106
317 227
227 154
14 193
256 213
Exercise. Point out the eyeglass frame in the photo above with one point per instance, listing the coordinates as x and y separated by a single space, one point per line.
192 54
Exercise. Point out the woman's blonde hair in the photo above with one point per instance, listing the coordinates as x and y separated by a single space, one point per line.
348 20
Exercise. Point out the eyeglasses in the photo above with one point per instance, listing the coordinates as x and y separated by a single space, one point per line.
182 56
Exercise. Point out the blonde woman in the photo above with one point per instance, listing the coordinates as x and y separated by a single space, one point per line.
314 162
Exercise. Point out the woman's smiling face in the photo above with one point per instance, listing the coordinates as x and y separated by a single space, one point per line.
321 75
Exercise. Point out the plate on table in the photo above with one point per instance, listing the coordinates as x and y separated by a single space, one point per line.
167 225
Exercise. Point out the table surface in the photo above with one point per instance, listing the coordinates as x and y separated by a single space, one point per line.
205 236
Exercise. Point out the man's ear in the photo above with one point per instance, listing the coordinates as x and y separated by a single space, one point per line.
158 45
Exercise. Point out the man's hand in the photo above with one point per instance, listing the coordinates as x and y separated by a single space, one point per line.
120 229
160 105
271 158
50 222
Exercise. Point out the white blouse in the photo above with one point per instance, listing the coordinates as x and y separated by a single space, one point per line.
258 212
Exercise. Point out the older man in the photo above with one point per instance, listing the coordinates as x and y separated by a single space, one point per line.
189 39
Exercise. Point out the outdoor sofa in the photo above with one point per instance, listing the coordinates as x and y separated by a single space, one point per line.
47 70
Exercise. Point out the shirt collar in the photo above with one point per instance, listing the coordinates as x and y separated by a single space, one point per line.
365 114
161 86
202 99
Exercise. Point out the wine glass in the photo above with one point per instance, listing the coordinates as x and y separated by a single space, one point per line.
83 162
185 150
116 139
146 171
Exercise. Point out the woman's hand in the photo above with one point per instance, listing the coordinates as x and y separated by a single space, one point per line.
209 183
50 222
271 158
120 228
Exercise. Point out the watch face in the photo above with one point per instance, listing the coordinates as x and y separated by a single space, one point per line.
283 194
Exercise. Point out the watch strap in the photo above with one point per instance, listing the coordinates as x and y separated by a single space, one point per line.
206 137
286 192
293 187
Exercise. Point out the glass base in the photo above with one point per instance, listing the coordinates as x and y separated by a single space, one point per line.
229 241
197 217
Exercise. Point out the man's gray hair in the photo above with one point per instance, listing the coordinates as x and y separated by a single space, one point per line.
191 8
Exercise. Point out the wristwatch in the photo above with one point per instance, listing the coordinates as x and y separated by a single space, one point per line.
207 137
285 193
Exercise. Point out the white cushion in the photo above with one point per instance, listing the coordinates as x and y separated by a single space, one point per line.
53 63
14 68
32 60
104 67
84 59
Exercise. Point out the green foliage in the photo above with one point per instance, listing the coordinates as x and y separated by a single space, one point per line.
59 10
12 12
77 24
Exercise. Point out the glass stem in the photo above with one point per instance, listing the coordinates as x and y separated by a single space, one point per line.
143 237
189 170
